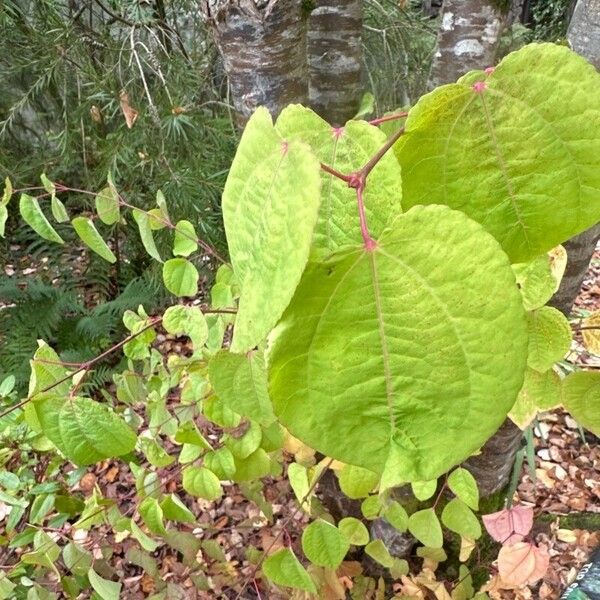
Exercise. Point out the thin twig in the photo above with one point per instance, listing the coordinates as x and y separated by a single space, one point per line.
86 366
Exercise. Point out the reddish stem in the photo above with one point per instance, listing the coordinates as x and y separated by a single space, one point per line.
381 152
387 118
358 181
370 243
334 172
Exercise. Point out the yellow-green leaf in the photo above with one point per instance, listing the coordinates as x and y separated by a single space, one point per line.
143 222
89 235
107 205
270 207
549 337
32 214
180 277
581 397
186 240
283 568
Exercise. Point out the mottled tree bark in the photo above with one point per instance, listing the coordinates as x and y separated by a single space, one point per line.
584 30
335 59
263 45
467 39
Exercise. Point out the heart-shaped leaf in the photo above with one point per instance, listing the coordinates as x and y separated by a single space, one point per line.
510 525
384 357
522 563
345 149
517 148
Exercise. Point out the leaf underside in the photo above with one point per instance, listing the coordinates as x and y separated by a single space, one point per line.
270 207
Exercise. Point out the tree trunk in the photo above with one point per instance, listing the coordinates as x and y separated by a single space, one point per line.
493 466
335 59
263 45
579 251
584 30
467 39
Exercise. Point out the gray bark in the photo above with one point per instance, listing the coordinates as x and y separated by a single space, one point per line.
335 59
467 39
584 30
579 252
263 45
493 465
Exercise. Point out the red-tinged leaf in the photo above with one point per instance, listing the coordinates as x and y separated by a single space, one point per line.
510 525
522 563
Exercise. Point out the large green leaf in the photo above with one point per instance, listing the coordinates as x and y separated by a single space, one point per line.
89 235
517 149
85 431
581 397
240 382
346 149
384 357
32 214
270 207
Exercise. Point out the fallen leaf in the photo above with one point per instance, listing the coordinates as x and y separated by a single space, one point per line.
466 548
509 525
96 114
522 563
87 482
